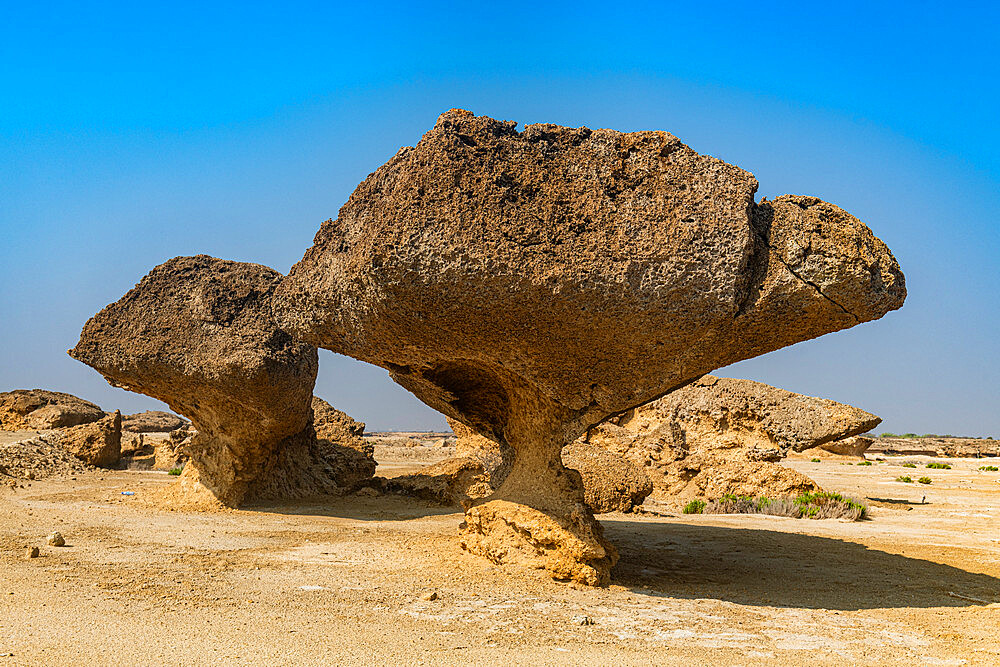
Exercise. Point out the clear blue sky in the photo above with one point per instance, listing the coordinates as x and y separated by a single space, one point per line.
136 132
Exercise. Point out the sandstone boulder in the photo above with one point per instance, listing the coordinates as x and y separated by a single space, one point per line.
610 482
531 283
38 409
718 436
97 443
198 333
152 421
852 447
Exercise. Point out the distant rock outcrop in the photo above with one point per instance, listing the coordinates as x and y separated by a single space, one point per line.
720 436
98 443
198 333
532 283
152 421
38 409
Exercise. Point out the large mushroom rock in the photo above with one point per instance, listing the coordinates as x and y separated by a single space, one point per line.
38 409
720 436
198 334
530 284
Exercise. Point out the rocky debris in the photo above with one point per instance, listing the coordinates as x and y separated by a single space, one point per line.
332 424
610 483
56 539
937 446
717 436
37 456
97 443
132 444
530 284
32 552
198 334
38 409
152 421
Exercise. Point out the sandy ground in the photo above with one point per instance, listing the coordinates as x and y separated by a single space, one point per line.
343 581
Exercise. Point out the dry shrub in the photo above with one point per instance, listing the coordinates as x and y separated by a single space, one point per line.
818 505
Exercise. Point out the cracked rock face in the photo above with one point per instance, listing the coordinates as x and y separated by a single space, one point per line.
198 334
529 284
720 436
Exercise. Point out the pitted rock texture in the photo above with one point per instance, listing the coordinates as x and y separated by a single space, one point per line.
530 284
610 482
722 435
198 334
852 447
38 409
152 421
97 443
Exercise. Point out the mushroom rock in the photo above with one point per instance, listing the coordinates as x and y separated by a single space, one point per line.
720 436
530 284
37 409
198 334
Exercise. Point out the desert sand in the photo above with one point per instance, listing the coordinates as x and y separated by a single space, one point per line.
348 580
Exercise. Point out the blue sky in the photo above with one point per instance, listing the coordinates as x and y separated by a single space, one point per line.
133 133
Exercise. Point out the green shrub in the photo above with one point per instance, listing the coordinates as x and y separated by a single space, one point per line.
174 471
909 465
989 468
819 505
939 466
906 479
888 435
924 480
694 507
814 460
865 463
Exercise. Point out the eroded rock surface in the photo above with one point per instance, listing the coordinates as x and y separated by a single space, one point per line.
98 443
38 409
198 334
152 421
530 284
720 436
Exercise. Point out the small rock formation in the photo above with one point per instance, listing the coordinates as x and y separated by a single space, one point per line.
56 539
530 284
852 447
718 436
97 443
152 421
38 409
198 334
36 456
610 483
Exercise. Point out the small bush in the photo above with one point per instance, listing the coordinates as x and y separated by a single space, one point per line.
905 479
814 460
694 507
939 466
924 480
909 465
865 463
888 435
819 505
989 468
174 471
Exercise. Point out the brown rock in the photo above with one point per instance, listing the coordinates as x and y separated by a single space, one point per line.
198 334
98 443
530 284
56 539
718 436
37 409
32 552
152 421
449 482
854 447
610 483
132 443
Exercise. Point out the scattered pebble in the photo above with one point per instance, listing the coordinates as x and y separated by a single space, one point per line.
56 539
32 552
430 597
583 620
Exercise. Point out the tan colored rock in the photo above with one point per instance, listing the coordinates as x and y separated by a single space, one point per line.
38 409
530 284
198 334
98 443
720 436
854 446
152 421
453 481
610 482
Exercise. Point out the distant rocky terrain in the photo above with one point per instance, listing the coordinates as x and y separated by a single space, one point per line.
937 446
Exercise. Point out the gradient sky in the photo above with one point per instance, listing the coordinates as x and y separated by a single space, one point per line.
132 133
